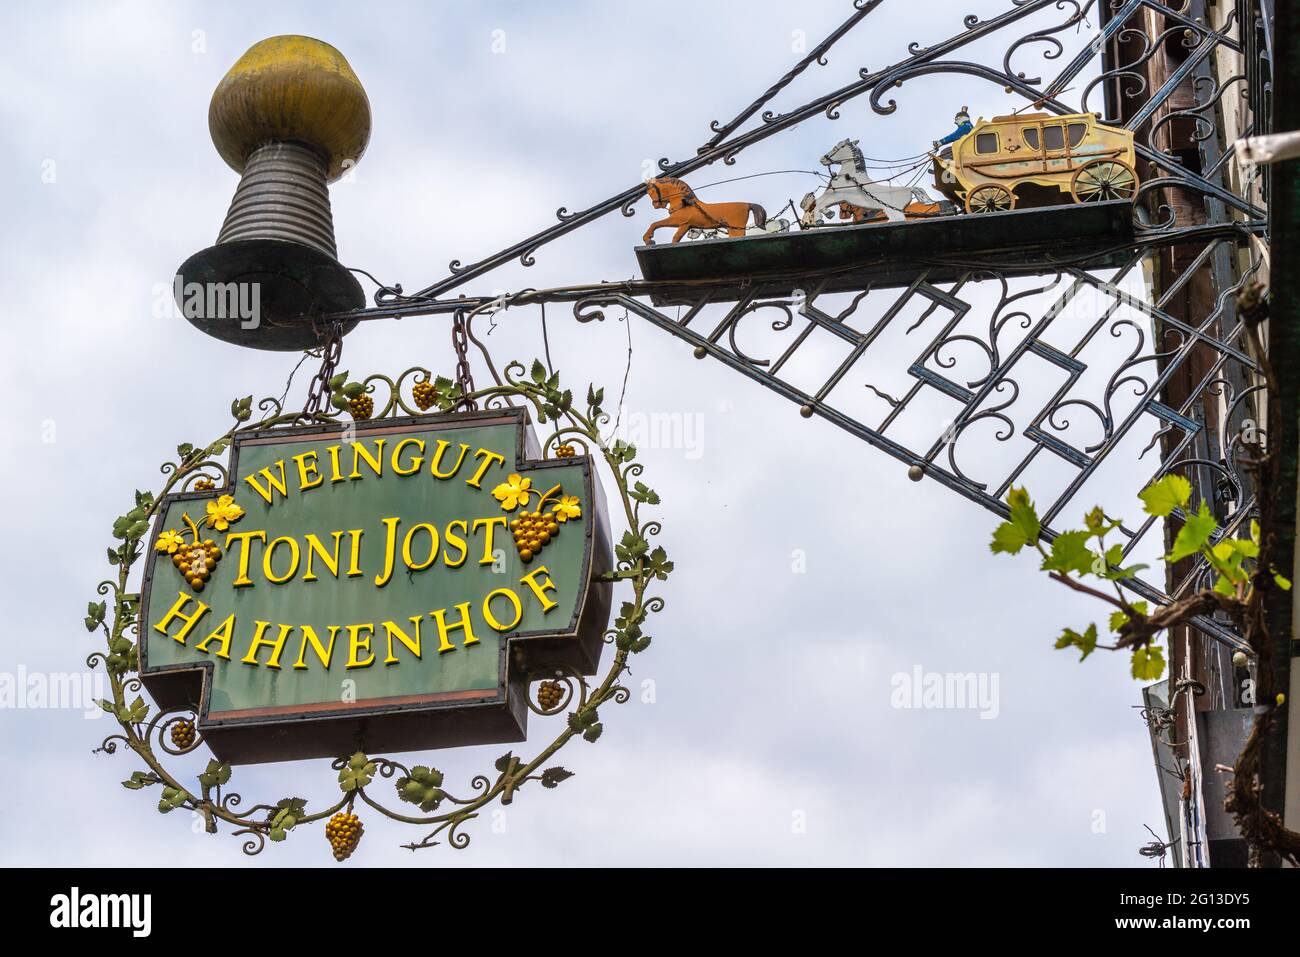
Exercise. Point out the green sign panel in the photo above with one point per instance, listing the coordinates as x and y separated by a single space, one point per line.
385 587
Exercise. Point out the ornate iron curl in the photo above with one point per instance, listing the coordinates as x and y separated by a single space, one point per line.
444 812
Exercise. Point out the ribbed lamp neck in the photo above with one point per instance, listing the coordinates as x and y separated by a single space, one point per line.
282 195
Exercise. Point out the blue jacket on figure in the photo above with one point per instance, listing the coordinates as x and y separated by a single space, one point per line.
964 126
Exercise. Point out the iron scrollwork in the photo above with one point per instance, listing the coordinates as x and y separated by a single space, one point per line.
156 736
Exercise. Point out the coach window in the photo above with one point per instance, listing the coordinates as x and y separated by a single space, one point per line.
1054 137
986 143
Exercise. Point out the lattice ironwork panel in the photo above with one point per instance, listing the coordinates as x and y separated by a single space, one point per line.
1095 349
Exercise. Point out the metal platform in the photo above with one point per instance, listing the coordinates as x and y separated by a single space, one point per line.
885 255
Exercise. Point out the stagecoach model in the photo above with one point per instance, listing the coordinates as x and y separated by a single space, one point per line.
1028 160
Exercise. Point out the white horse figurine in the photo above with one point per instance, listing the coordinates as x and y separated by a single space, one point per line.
851 185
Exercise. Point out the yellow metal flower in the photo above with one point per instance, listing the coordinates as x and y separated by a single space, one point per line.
513 492
566 508
169 541
222 512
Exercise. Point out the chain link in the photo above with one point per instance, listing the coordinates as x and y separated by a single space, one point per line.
318 391
460 342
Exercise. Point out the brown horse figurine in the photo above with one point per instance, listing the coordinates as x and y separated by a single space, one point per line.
686 212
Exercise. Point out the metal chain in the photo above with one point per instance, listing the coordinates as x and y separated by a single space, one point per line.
318 391
460 342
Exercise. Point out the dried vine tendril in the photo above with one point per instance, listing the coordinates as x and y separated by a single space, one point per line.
438 812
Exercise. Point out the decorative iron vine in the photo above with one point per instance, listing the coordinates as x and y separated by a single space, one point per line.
155 735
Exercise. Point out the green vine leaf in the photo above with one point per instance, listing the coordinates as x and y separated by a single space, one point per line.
134 713
140 779
506 763
1148 663
552 777
288 813
631 547
242 409
1194 534
640 492
629 614
1118 618
1070 553
1162 497
659 566
95 612
216 774
1021 528
121 656
133 524
583 720
171 799
1086 642
422 788
357 773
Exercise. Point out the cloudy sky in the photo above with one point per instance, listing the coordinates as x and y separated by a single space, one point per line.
810 571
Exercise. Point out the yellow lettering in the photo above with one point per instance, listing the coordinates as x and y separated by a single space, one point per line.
243 539
392 631
440 616
269 555
416 460
323 653
490 524
486 464
306 463
225 631
272 483
390 549
316 547
260 640
354 560
458 541
376 461
491 618
336 474
433 547
176 612
437 459
539 589
356 644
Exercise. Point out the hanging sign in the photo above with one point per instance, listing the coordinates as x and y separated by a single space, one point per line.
401 571
386 586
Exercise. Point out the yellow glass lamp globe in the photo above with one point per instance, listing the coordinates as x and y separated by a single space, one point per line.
291 88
